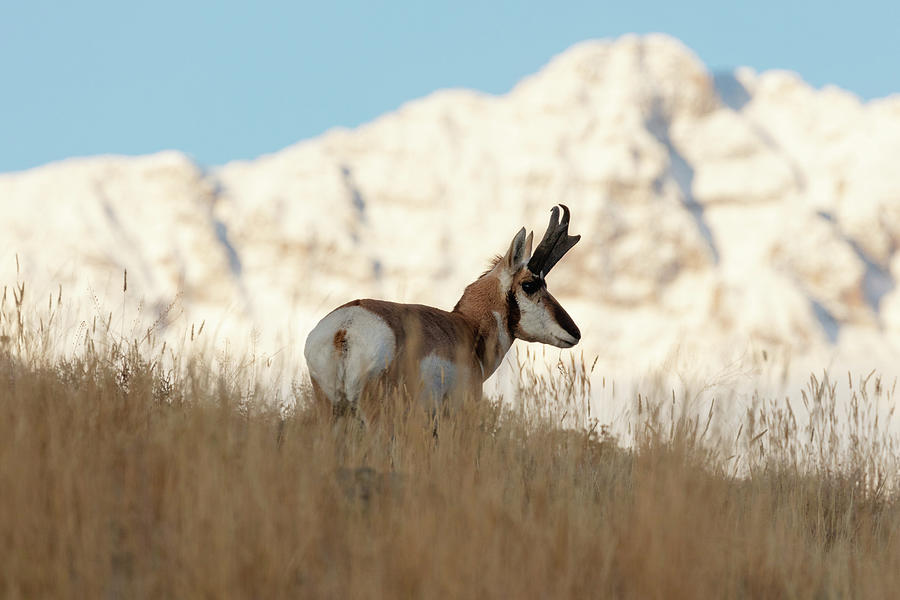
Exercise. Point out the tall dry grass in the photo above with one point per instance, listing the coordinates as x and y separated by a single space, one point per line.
126 475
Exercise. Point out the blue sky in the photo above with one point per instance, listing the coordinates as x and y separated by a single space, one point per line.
226 80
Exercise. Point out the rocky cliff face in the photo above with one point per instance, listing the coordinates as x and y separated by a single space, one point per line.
721 215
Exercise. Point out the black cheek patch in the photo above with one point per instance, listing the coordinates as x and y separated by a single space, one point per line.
564 320
512 314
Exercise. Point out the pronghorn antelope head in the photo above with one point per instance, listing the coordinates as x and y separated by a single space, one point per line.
534 315
368 342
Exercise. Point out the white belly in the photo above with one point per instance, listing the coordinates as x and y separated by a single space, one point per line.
438 378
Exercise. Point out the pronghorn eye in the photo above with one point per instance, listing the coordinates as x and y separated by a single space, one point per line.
531 286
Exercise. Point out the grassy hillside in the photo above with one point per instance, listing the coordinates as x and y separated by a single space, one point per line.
122 477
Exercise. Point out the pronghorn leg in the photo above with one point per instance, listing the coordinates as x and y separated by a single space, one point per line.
325 408
320 402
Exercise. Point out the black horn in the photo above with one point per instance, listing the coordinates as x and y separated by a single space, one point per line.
555 244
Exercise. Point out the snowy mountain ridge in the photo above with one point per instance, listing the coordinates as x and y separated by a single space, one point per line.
738 214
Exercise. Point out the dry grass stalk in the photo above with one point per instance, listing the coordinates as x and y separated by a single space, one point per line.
124 476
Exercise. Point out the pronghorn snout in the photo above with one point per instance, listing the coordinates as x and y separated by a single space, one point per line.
567 325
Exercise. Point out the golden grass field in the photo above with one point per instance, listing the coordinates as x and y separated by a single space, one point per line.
121 477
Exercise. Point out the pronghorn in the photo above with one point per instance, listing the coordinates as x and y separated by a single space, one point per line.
368 342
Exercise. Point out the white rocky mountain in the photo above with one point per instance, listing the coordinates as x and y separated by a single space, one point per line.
724 216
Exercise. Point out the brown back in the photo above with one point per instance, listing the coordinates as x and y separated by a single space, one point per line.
422 330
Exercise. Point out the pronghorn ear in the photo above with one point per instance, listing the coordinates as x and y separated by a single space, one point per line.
519 251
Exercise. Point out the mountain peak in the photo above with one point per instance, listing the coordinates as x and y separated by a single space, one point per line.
655 73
